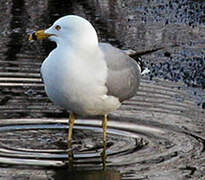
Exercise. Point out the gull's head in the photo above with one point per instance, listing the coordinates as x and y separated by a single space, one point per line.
69 30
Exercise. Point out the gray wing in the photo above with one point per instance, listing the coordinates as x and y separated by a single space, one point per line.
123 72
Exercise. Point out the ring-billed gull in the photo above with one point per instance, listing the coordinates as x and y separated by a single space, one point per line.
84 76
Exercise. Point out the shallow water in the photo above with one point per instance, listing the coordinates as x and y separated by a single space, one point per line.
133 145
158 134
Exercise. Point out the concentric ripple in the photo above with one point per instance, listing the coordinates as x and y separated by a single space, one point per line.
130 146
43 142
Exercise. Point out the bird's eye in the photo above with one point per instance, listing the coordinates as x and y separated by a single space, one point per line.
57 27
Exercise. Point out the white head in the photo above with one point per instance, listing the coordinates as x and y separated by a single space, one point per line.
73 30
70 30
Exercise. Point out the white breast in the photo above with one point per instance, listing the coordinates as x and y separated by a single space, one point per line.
78 83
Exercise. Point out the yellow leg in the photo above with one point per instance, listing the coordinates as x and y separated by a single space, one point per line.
104 126
71 123
103 154
70 130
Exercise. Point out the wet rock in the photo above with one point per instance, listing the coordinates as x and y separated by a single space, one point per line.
189 70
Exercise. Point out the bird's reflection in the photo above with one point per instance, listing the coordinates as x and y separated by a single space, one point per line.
71 155
104 155
73 174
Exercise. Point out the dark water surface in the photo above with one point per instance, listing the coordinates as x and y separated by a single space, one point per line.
158 134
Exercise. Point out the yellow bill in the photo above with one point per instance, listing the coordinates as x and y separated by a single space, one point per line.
39 35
